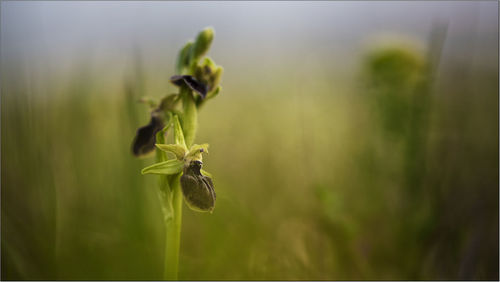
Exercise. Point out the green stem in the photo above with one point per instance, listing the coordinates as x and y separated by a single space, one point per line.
190 117
173 233
173 227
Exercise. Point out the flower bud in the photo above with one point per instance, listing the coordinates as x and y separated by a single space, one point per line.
202 44
216 77
183 57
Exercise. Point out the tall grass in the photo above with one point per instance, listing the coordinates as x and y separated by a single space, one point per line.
309 186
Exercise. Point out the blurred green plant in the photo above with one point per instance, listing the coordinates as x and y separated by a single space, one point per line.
393 74
400 81
198 81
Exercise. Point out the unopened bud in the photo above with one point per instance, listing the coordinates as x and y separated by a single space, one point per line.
202 44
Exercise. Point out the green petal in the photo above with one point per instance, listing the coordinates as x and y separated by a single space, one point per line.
167 167
177 150
195 152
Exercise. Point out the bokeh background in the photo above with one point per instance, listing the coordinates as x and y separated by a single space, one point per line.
352 140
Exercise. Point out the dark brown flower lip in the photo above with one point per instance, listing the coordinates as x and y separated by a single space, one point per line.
191 82
198 189
145 138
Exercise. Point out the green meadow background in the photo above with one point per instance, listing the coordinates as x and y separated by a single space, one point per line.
351 141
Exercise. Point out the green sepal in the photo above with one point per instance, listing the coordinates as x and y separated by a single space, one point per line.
178 150
178 134
166 167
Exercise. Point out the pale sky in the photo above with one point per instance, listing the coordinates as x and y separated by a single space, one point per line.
62 31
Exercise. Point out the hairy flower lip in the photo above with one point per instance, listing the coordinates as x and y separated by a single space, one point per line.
191 82
198 189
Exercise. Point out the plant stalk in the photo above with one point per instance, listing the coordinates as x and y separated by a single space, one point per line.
173 227
173 233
